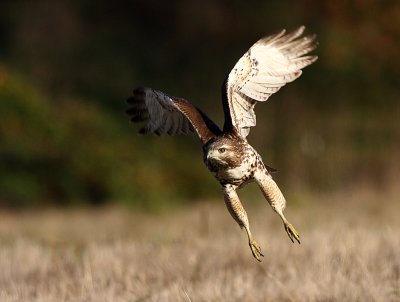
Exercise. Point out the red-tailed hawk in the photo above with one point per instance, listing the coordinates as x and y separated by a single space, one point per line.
268 65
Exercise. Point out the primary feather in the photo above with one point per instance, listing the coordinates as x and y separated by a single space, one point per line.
169 115
159 111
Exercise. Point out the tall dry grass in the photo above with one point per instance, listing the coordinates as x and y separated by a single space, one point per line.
350 251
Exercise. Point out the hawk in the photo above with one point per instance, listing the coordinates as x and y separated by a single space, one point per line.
268 65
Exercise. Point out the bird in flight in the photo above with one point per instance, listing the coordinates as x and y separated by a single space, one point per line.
268 65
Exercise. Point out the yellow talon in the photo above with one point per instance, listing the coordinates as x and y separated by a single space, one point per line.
256 250
292 233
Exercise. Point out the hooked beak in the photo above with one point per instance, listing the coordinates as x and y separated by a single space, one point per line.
210 156
213 157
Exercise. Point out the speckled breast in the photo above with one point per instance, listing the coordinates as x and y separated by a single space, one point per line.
238 175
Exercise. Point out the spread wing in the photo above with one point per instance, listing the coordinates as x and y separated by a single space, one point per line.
164 115
268 65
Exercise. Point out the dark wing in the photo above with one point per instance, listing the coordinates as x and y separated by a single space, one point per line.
268 65
166 115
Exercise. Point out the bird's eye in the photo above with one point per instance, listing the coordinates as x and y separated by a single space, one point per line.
221 150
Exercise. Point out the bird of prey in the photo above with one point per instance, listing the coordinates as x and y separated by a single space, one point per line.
268 65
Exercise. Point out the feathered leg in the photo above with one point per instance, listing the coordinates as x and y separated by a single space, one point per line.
238 213
276 199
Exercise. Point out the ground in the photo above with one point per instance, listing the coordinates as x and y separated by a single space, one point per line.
349 251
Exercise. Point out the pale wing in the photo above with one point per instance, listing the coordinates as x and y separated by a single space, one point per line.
268 65
164 115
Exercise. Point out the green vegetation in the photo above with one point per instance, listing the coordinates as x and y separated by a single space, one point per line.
74 151
66 68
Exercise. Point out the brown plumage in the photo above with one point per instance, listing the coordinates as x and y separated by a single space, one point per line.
267 66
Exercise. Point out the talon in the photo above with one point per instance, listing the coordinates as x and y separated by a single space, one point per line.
292 233
256 250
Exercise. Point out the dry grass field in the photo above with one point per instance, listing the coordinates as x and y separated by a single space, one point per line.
350 251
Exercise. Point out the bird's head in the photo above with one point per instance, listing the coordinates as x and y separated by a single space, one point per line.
224 151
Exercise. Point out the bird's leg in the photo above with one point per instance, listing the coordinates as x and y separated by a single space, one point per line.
238 213
277 201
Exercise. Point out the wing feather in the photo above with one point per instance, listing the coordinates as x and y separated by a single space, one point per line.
164 115
268 65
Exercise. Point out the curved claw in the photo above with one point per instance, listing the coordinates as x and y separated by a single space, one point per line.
292 233
256 250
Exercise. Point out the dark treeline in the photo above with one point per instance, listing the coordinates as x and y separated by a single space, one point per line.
67 66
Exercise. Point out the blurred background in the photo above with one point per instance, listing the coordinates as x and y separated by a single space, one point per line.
66 68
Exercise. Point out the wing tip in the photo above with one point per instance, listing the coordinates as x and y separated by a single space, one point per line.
271 37
137 110
138 95
297 32
312 41
313 59
283 38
